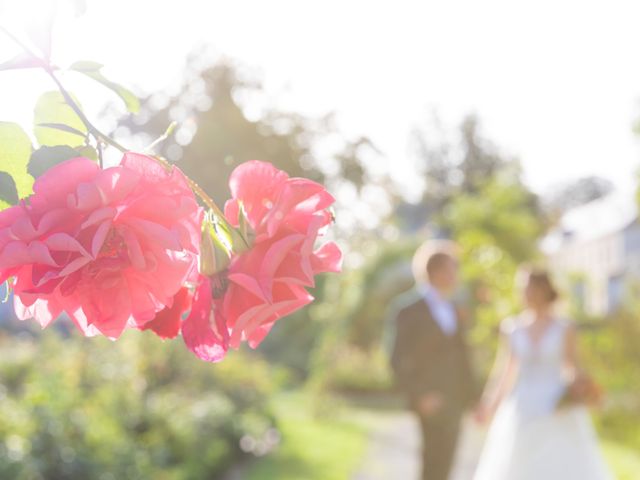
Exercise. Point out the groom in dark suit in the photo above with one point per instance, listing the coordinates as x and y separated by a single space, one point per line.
430 358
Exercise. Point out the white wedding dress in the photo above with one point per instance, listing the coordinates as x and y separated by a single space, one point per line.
529 438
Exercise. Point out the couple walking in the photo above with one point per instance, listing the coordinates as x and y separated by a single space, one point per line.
531 436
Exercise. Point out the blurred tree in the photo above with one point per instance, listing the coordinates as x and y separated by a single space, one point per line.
213 134
221 123
475 195
463 167
454 166
572 194
497 229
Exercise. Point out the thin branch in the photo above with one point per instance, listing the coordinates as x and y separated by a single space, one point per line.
197 189
76 108
162 138
20 43
99 149
67 97
100 137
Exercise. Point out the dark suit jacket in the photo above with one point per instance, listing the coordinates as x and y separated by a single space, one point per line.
426 360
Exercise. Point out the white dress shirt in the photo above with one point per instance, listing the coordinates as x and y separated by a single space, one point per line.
442 310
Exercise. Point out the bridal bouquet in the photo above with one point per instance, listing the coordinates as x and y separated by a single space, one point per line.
582 390
139 245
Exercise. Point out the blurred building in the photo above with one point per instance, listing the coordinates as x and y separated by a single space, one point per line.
596 248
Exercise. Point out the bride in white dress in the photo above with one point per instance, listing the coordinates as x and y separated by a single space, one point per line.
530 436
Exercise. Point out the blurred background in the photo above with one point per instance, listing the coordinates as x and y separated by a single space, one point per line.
506 127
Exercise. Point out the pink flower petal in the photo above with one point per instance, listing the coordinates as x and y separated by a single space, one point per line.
52 188
257 185
150 170
23 229
197 330
65 243
159 234
42 310
328 258
287 299
298 197
134 249
100 237
98 216
167 322
249 282
115 184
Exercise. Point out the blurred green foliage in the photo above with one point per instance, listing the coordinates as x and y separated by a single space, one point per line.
330 447
78 408
497 230
609 349
352 370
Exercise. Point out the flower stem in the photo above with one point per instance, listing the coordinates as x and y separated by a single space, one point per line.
172 126
197 189
19 42
101 137
76 108
65 94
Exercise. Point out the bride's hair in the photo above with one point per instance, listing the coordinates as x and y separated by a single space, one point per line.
539 277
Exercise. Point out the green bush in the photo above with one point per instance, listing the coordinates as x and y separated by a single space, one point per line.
610 352
138 408
350 369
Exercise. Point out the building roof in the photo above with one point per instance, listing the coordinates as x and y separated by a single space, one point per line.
599 218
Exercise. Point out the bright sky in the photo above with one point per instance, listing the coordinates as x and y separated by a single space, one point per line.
554 83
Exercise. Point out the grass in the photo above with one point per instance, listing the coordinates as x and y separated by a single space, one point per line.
330 447
619 430
624 461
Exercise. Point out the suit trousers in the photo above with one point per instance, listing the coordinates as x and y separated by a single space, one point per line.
439 441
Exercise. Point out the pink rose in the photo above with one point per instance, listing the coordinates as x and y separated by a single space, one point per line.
111 247
272 200
273 274
268 281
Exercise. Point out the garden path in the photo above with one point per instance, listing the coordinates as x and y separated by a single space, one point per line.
394 451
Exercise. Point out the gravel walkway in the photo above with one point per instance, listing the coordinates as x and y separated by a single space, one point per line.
394 452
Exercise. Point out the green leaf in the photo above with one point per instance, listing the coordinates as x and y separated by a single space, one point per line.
46 157
222 231
246 231
51 108
86 66
61 126
15 150
239 239
207 264
214 255
22 60
8 191
92 70
88 151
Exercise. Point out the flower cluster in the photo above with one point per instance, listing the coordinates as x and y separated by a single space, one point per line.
118 248
109 247
269 280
